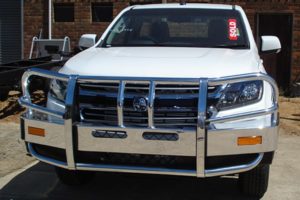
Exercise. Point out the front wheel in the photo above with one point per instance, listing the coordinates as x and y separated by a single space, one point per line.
74 177
255 182
3 95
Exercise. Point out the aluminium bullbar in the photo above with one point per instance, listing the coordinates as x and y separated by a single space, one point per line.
25 100
202 121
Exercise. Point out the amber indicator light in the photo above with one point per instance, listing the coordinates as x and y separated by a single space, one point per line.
36 131
252 140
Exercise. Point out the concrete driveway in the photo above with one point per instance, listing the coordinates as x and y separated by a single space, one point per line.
38 181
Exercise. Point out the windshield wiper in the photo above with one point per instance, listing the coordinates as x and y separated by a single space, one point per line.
234 46
142 45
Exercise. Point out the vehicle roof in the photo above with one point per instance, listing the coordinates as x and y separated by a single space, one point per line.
187 5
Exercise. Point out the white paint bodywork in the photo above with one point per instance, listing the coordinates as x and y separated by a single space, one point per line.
270 43
167 61
177 62
171 62
215 139
87 40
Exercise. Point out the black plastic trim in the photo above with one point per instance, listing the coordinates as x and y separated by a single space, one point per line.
22 128
268 158
229 160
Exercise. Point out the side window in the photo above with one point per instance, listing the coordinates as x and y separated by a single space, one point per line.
102 12
63 12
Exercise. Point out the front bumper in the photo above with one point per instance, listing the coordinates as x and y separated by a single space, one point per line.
218 142
200 143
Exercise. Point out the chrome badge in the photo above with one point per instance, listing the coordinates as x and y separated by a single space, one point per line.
140 104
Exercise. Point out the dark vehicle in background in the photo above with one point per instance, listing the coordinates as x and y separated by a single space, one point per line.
11 73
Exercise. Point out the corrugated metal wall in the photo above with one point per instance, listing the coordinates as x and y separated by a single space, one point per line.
10 30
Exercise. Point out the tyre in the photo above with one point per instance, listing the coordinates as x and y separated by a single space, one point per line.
255 182
3 95
74 177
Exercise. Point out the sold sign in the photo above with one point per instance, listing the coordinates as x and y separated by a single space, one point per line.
233 35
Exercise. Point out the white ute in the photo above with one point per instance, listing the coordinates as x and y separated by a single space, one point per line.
168 89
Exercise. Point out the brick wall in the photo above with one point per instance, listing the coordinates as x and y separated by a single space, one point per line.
35 17
252 7
33 21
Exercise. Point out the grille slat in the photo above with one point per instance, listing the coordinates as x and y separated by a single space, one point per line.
96 107
99 86
158 96
175 118
99 115
114 116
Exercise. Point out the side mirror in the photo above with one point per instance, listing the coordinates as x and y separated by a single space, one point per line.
87 41
270 44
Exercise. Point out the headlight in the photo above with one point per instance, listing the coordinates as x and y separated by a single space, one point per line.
240 94
58 89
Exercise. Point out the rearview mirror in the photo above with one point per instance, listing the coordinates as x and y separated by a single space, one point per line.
270 44
87 41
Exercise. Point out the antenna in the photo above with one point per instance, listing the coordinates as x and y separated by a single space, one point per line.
182 2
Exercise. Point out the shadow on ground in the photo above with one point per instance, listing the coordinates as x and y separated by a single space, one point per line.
40 182
11 106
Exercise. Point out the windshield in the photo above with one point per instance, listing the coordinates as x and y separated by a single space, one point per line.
178 27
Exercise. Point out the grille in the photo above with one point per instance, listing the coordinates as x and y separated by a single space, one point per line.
163 105
109 134
143 160
98 103
176 106
160 136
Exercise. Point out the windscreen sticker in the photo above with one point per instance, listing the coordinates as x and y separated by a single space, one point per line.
233 30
